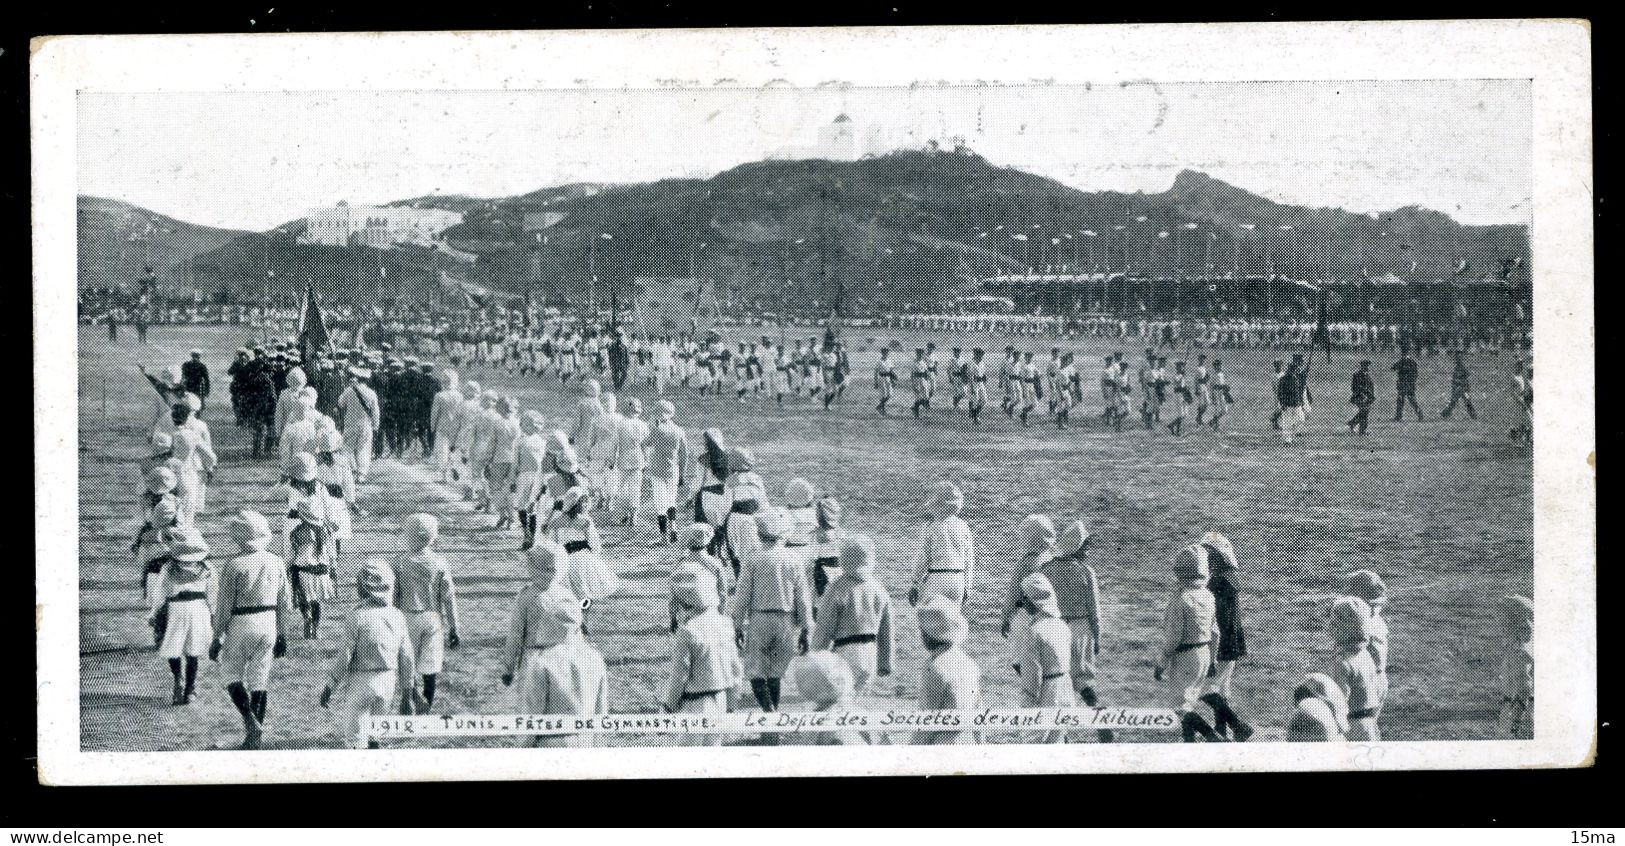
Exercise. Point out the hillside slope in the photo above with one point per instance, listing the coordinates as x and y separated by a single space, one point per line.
907 229
117 239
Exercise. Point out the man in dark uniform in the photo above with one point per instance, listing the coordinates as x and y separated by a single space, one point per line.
279 369
259 402
1405 371
238 372
383 383
195 376
409 385
618 360
1460 385
1363 395
428 384
330 384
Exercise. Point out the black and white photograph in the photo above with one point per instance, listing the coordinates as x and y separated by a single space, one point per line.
1124 417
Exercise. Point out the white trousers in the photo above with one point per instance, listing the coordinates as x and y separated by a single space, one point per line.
359 443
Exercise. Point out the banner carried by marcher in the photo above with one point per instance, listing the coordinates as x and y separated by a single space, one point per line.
312 329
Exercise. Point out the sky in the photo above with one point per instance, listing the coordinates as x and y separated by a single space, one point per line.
253 160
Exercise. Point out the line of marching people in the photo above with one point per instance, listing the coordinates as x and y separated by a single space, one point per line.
753 585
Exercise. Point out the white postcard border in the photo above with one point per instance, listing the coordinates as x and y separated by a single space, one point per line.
1555 55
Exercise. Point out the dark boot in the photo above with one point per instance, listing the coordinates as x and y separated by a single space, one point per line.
1224 717
773 691
251 725
429 680
763 698
177 690
1193 725
191 679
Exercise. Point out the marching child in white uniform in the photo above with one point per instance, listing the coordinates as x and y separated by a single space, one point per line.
854 617
667 453
1356 671
530 478
630 460
1044 666
947 562
1517 718
251 611
950 679
588 576
697 564
556 670
336 474
1035 546
311 552
427 598
374 664
885 379
187 629
601 440
705 664
1189 629
1370 587
825 680
1319 712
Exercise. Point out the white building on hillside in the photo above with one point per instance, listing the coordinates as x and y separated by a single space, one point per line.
377 226
840 140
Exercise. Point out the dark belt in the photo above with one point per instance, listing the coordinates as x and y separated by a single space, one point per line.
155 566
793 544
252 609
1186 647
848 641
1363 713
293 514
771 611
935 570
311 569
687 696
188 596
748 506
336 490
575 546
713 489
827 561
1050 676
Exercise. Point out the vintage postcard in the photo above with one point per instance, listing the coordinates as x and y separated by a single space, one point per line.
694 403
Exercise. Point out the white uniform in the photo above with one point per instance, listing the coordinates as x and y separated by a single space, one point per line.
361 422
630 461
195 459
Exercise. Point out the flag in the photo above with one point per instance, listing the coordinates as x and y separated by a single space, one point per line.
1462 266
1323 332
312 331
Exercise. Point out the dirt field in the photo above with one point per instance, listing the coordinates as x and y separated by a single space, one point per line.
1441 509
